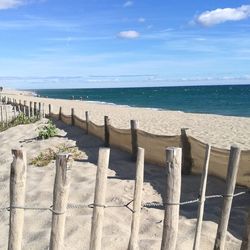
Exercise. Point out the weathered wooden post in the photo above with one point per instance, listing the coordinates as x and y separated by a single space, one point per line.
6 115
24 107
60 113
17 198
186 153
60 200
246 237
14 108
35 108
2 114
202 198
106 131
31 109
134 138
232 171
135 225
99 200
40 110
43 110
87 121
50 110
72 117
172 198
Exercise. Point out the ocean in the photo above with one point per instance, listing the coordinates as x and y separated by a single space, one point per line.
224 100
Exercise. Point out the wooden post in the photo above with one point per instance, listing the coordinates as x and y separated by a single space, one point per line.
106 131
60 113
202 198
24 107
246 237
28 111
50 110
43 110
186 153
31 109
72 117
135 225
17 199
232 171
14 108
134 140
2 114
172 198
35 109
99 201
40 110
87 121
60 200
6 115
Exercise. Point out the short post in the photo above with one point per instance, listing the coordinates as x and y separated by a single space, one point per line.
134 138
246 237
35 108
14 108
99 200
2 113
28 111
232 171
172 198
87 121
24 107
72 117
202 198
43 110
60 200
17 198
135 225
60 113
40 110
31 109
50 110
186 153
106 131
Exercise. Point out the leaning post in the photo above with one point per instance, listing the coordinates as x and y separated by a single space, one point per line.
87 121
72 117
232 171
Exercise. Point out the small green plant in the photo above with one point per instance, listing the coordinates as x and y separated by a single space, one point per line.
19 120
47 131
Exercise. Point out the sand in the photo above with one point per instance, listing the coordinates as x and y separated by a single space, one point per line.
220 131
121 176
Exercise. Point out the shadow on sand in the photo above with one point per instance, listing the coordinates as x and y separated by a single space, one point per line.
154 175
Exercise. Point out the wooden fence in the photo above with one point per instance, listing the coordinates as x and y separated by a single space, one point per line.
171 205
173 164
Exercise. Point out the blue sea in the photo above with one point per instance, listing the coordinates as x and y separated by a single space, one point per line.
224 100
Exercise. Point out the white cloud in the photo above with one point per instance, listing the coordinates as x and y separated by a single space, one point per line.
217 16
8 4
129 34
141 20
128 4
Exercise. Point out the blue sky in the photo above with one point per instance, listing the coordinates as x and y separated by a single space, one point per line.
114 43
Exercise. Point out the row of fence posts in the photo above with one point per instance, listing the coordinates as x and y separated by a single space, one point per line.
174 164
134 126
171 204
31 109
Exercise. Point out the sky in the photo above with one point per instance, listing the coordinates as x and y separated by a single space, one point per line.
119 43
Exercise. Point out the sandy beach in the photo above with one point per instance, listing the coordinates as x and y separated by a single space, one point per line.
120 191
220 131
